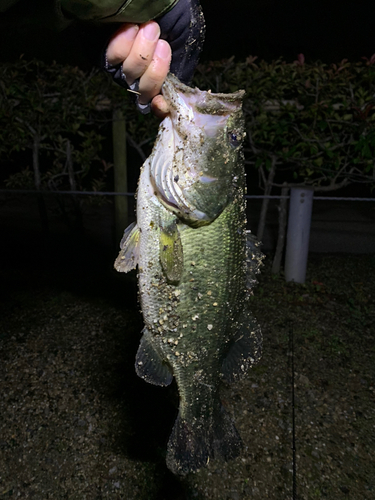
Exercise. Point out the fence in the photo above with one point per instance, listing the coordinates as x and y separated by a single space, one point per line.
339 224
112 193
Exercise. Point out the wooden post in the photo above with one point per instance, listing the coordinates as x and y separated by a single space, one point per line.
282 230
265 202
78 222
120 173
38 185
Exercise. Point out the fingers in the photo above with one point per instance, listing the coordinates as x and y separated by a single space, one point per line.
144 56
142 52
151 81
121 43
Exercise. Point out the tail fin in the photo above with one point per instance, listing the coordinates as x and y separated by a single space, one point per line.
193 443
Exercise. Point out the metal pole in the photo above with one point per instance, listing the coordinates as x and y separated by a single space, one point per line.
299 222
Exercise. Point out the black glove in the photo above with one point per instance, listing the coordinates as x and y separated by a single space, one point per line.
183 28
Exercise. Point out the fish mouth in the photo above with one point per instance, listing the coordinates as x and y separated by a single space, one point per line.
179 166
177 93
173 91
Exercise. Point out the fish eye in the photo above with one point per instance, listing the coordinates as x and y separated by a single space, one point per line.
234 139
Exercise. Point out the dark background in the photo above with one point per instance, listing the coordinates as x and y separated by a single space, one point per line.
328 30
82 263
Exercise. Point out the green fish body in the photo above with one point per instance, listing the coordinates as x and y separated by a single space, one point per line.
196 263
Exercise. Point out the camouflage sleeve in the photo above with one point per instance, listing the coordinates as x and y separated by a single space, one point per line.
6 4
115 11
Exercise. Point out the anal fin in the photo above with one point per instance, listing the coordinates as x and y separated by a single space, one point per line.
149 365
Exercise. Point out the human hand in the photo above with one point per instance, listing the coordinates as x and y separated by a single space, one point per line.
141 55
145 57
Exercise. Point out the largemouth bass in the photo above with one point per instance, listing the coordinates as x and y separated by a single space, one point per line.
196 263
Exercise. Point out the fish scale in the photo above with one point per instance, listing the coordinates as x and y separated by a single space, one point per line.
194 267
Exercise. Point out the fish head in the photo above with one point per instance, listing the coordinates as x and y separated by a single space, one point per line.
197 165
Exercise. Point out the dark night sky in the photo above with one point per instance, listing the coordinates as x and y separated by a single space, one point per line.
328 30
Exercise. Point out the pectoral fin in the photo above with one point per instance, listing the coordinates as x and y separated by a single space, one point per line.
149 364
129 253
171 253
245 350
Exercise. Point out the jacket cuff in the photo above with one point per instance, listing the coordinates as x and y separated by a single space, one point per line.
119 77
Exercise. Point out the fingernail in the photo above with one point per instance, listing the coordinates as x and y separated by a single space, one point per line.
131 32
162 49
151 31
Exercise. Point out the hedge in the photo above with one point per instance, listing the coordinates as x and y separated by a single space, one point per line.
307 123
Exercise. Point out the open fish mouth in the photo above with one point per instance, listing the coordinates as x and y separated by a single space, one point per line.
185 177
